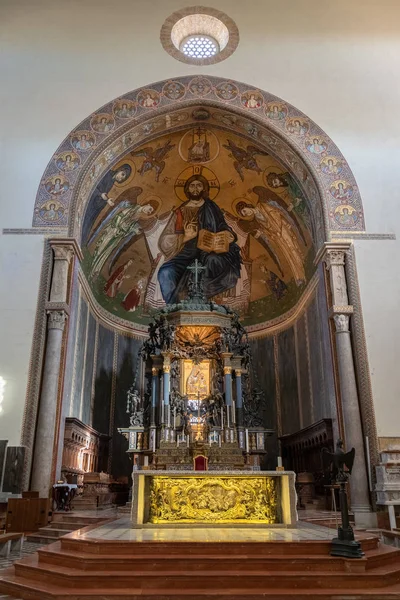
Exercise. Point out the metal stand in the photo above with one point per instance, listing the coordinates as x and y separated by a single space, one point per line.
345 545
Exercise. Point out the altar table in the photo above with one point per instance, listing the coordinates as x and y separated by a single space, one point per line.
213 497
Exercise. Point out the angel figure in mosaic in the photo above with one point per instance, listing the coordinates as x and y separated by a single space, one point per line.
284 182
154 158
124 222
244 158
270 225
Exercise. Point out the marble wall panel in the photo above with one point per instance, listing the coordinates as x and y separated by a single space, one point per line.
329 398
316 363
88 371
263 357
306 399
126 369
3 447
79 359
288 382
103 380
13 471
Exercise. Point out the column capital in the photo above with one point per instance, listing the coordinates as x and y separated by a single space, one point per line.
65 248
341 322
334 258
57 319
227 370
333 253
167 363
63 253
155 371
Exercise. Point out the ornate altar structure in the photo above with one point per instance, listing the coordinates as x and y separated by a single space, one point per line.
200 409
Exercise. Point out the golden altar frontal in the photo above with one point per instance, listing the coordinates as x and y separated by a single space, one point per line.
213 497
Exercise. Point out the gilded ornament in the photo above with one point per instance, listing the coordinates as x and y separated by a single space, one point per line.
213 500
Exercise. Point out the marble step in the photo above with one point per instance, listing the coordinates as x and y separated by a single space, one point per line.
75 578
199 562
31 590
73 543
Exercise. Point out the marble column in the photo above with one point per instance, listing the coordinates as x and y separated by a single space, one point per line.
239 397
51 411
228 388
154 395
45 429
166 383
341 313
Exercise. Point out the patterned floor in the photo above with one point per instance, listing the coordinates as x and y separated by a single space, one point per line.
27 549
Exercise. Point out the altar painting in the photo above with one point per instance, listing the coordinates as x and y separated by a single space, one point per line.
196 379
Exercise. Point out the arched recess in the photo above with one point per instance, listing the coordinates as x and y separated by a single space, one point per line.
141 116
101 139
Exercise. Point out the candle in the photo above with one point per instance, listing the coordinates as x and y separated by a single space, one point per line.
209 439
222 417
187 441
247 441
154 440
146 461
219 440
279 461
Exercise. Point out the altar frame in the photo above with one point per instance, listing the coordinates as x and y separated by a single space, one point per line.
285 488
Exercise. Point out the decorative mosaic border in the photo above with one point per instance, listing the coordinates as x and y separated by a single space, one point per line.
108 134
35 366
361 363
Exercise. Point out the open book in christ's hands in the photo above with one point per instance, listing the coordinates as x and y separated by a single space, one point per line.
214 242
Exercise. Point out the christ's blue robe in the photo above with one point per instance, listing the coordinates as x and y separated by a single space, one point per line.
222 270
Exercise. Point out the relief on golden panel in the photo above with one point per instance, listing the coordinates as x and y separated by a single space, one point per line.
213 500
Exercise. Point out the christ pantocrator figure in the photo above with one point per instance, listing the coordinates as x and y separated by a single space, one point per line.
181 245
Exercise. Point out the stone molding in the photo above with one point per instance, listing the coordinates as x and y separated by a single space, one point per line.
53 306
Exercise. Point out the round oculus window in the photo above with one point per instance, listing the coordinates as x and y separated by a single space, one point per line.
199 35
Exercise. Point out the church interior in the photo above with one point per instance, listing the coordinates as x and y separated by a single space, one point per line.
198 367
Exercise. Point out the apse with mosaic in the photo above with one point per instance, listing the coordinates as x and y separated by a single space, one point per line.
149 210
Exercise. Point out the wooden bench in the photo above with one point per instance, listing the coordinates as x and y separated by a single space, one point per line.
10 542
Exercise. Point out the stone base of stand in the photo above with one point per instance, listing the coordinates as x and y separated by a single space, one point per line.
345 545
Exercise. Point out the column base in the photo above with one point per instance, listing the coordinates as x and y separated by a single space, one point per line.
364 518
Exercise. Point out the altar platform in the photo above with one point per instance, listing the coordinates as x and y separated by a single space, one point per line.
122 530
113 561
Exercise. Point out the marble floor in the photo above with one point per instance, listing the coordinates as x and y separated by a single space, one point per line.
122 530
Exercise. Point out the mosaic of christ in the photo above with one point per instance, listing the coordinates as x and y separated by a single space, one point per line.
204 194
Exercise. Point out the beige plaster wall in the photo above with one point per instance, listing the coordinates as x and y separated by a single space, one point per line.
338 62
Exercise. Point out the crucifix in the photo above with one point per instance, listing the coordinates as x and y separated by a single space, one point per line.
196 269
